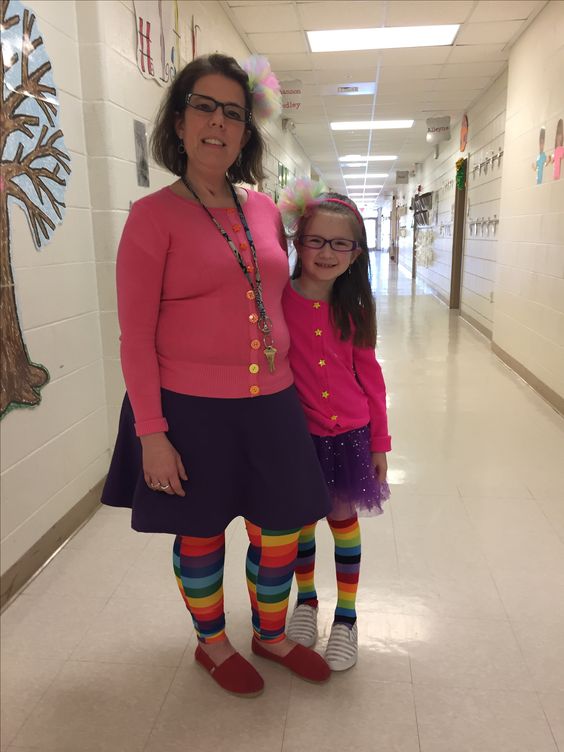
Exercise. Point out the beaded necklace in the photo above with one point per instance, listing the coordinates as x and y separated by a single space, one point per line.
264 322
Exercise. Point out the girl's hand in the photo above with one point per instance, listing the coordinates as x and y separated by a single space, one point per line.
380 464
162 466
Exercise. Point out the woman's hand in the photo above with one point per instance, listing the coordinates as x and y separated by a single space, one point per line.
162 466
380 464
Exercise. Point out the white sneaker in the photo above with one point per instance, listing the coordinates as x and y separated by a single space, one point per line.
303 625
342 647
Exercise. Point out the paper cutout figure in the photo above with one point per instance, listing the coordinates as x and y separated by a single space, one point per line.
542 158
558 155
34 169
156 25
464 133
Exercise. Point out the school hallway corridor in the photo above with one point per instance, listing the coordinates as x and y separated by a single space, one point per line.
460 608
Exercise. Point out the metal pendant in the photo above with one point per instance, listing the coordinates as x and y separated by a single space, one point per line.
270 354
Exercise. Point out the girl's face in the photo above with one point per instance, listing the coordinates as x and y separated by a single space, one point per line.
212 140
324 264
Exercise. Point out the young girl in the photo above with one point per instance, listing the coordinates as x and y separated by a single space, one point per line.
330 312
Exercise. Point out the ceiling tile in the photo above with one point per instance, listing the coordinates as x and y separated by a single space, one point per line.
488 32
415 56
332 14
352 73
493 10
267 17
478 69
408 72
342 61
301 62
478 53
285 42
462 84
417 13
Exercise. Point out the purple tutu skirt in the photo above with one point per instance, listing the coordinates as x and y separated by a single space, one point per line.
346 462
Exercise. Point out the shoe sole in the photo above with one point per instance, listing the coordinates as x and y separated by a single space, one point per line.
244 695
341 668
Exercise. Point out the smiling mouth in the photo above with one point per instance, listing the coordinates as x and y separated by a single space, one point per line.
325 265
212 142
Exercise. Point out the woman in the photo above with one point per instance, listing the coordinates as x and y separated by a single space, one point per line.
211 427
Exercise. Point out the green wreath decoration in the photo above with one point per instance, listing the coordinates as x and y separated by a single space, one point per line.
460 174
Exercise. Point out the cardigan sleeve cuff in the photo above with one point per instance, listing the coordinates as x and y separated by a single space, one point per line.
156 425
381 444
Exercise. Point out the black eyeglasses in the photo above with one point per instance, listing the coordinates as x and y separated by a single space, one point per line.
341 245
209 104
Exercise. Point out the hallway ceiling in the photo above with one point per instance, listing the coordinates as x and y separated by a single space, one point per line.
414 83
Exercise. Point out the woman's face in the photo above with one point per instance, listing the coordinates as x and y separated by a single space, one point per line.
212 140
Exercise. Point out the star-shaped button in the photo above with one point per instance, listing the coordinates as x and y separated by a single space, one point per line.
317 304
318 332
334 417
325 395
322 363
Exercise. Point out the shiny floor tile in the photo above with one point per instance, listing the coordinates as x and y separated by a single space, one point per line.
461 614
471 720
97 707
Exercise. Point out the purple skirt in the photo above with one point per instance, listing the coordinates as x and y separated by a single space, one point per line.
346 462
249 457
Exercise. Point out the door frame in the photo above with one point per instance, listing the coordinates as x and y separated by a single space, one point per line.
458 241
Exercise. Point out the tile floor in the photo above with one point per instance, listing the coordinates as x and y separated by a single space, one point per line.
461 601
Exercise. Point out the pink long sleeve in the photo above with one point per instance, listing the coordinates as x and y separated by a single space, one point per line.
369 375
140 269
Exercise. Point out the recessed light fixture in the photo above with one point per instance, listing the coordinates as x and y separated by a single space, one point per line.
363 195
362 187
358 158
382 38
370 125
355 164
361 175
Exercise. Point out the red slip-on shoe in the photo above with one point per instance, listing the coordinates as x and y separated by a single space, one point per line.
235 675
304 662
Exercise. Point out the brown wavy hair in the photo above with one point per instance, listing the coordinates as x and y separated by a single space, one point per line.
351 302
164 141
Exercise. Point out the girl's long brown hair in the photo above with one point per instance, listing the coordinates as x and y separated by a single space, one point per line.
351 303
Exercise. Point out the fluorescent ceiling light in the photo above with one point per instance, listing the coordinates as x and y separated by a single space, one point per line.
382 38
361 176
370 125
358 158
366 195
363 187
355 164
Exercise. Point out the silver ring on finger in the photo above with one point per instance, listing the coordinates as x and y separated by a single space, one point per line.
163 488
154 486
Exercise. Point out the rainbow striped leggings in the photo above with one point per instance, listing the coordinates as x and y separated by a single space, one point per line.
271 559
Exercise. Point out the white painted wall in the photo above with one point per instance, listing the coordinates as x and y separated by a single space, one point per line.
486 134
483 202
54 454
529 310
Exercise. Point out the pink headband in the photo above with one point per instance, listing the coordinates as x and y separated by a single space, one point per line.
344 203
303 194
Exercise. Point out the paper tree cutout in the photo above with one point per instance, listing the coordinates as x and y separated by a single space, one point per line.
34 169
